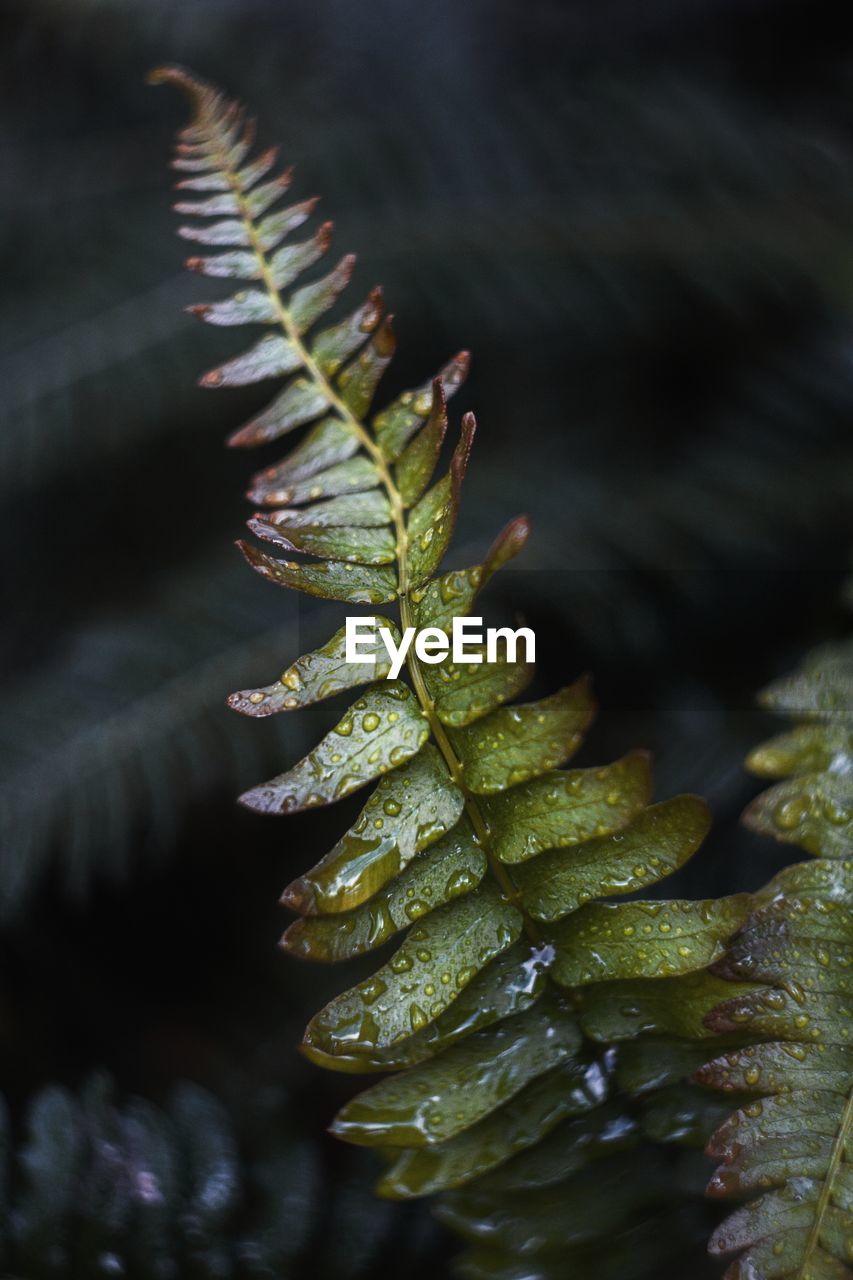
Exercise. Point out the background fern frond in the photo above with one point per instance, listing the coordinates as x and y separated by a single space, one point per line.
99 1182
117 737
793 1140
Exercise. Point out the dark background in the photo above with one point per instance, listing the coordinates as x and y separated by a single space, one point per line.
640 217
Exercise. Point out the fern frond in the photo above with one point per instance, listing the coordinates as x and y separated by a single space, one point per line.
99 1182
107 741
793 1140
476 844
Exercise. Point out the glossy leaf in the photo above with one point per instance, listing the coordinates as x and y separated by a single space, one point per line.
682 1114
463 692
395 426
814 811
351 476
300 402
325 444
779 1067
333 346
657 842
236 264
810 748
313 300
247 177
564 810
515 744
270 357
368 509
419 458
359 379
288 263
447 870
614 1011
337 542
568 1090
453 594
822 690
229 231
318 675
549 1223
261 198
433 518
248 306
437 960
607 940
211 206
329 579
776 1231
410 809
382 730
512 983
274 228
595 1130
434 1102
651 1062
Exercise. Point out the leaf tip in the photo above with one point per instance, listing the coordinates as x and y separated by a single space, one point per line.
249 553
299 897
172 73
242 438
293 942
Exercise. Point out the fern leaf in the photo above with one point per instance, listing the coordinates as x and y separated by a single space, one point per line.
813 806
601 1220
793 1140
99 1182
476 841
108 740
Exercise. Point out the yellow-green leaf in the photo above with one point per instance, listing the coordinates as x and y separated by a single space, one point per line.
604 941
515 744
410 809
445 871
434 1102
465 692
657 842
512 983
436 961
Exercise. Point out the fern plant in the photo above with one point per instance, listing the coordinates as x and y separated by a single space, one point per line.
793 1141
96 1183
476 844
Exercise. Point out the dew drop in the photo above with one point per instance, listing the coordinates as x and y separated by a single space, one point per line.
417 1017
